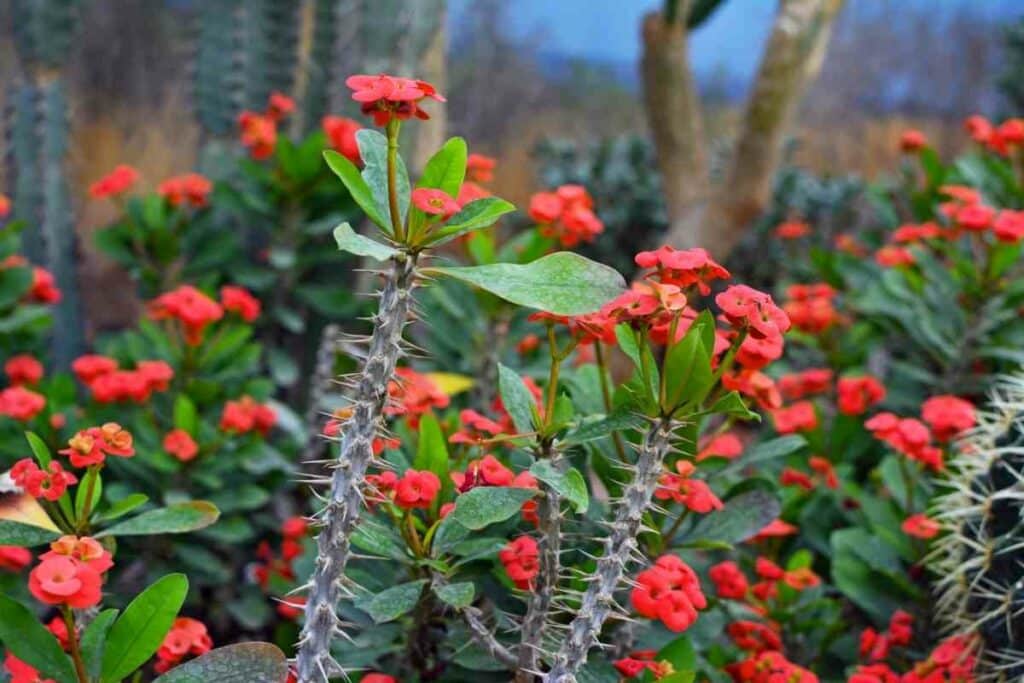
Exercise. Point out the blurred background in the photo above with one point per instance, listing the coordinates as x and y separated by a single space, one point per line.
539 85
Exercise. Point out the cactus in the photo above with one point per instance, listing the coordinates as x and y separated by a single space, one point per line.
38 130
980 558
620 548
341 513
271 35
216 95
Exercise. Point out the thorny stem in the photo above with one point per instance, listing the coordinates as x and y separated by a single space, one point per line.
620 546
396 217
76 652
344 502
606 396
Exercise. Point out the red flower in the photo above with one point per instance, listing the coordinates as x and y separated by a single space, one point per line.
669 591
912 141
806 383
521 560
90 366
891 256
811 308
775 529
186 637
44 290
50 483
22 672
745 308
435 202
857 394
246 415
629 667
753 636
566 215
683 268
480 168
238 300
341 132
921 526
14 558
907 436
279 106
729 580
767 569
191 189
470 192
873 645
1008 226
414 394
156 373
801 579
874 673
979 128
756 384
181 445
20 403
91 446
5 206
114 183
726 446
799 417
83 549
121 385
901 628
823 467
679 486
792 230
948 416
975 217
23 369
63 580
770 667
258 134
417 489
294 527
793 477
292 607
386 97
375 677
193 309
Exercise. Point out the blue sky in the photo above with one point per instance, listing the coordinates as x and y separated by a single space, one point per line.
608 30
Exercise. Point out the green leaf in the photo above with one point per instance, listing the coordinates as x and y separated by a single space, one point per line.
123 506
25 535
39 449
357 187
373 150
431 448
23 635
563 283
185 416
733 404
773 448
569 484
596 427
688 376
392 603
240 663
94 639
478 214
140 630
351 241
680 653
174 519
517 399
376 538
458 595
91 480
485 505
447 168
745 513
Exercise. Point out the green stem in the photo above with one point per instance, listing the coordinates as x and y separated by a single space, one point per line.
606 395
83 519
552 388
908 484
76 653
396 217
668 536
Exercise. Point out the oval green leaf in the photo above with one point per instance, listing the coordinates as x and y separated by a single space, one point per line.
173 519
485 505
476 215
241 663
140 630
568 484
458 595
25 535
392 603
361 245
23 635
516 398
447 168
357 187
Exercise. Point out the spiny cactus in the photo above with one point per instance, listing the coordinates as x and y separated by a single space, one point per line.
620 548
341 512
217 97
38 131
980 560
271 36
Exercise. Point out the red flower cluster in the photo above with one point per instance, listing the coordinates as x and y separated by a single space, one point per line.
391 97
792 230
14 558
891 256
726 446
258 131
238 300
770 666
521 560
680 486
948 416
341 133
730 581
413 394
669 591
417 489
190 189
5 206
820 466
44 288
567 215
857 394
246 415
92 446
912 140
952 660
109 384
20 403
21 672
811 307
754 312
480 168
683 268
643 660
908 436
189 306
874 646
181 445
115 183
753 636
293 530
1001 139
70 573
435 202
50 483
23 369
186 637
921 526
805 383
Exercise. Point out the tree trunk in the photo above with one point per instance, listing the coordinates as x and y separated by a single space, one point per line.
791 60
674 116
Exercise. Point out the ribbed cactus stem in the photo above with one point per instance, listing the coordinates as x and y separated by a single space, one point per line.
344 503
549 517
619 548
